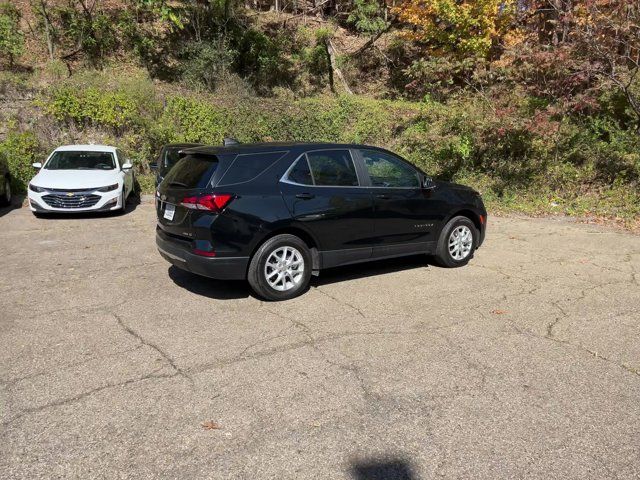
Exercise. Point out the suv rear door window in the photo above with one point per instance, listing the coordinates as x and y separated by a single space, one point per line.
192 171
332 168
300 172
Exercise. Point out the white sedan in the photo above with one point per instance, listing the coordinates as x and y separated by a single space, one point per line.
81 178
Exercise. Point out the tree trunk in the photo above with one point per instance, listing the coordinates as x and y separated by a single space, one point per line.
334 70
48 34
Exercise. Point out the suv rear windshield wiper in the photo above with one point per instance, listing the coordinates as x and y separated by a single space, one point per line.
178 184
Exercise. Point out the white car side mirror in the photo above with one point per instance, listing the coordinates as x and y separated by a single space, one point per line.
127 166
36 165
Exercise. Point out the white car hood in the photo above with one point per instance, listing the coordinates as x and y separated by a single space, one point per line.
75 179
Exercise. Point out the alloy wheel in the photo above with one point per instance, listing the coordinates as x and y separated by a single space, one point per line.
460 242
284 268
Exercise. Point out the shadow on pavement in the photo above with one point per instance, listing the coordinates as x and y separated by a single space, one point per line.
208 287
15 204
383 470
235 289
369 269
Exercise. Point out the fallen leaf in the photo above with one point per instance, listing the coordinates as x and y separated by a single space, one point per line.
211 425
499 312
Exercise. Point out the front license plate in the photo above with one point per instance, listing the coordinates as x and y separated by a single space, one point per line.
169 211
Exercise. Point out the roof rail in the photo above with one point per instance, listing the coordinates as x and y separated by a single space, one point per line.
229 141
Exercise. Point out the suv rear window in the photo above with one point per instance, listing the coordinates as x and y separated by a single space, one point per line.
192 171
246 167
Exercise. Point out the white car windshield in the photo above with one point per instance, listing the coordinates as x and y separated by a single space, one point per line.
81 161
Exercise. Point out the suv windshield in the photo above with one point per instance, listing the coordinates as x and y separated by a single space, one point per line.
81 161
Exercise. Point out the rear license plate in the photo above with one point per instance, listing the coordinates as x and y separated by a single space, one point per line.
169 211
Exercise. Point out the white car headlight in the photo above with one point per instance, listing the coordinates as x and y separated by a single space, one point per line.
33 188
109 188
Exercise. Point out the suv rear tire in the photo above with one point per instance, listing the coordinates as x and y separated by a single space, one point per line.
457 243
281 268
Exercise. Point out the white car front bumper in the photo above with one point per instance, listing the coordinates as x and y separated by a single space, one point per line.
55 200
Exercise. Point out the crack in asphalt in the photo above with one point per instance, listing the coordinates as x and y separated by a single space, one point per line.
80 396
529 333
152 375
351 368
472 363
583 294
309 342
14 380
100 307
155 347
280 334
341 302
552 325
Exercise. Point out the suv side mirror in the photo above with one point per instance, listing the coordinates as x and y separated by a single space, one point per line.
428 183
153 166
127 166
37 165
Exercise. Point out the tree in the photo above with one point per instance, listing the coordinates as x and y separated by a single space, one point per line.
368 17
11 38
607 34
576 51
459 27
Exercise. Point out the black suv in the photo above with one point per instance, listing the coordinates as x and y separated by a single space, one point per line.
168 158
277 213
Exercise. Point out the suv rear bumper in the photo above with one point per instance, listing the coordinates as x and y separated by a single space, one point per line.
220 268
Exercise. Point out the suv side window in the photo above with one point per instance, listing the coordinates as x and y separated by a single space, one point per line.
332 168
388 171
247 167
300 172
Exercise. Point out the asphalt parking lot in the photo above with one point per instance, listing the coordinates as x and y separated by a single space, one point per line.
525 364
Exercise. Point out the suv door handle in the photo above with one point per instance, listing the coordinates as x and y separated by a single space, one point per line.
305 196
384 196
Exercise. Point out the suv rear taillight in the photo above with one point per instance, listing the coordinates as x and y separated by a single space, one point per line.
210 202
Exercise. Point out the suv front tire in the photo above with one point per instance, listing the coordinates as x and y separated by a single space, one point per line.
281 268
457 243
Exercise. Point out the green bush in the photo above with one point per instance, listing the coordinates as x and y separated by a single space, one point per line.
206 64
127 106
20 150
191 120
260 60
